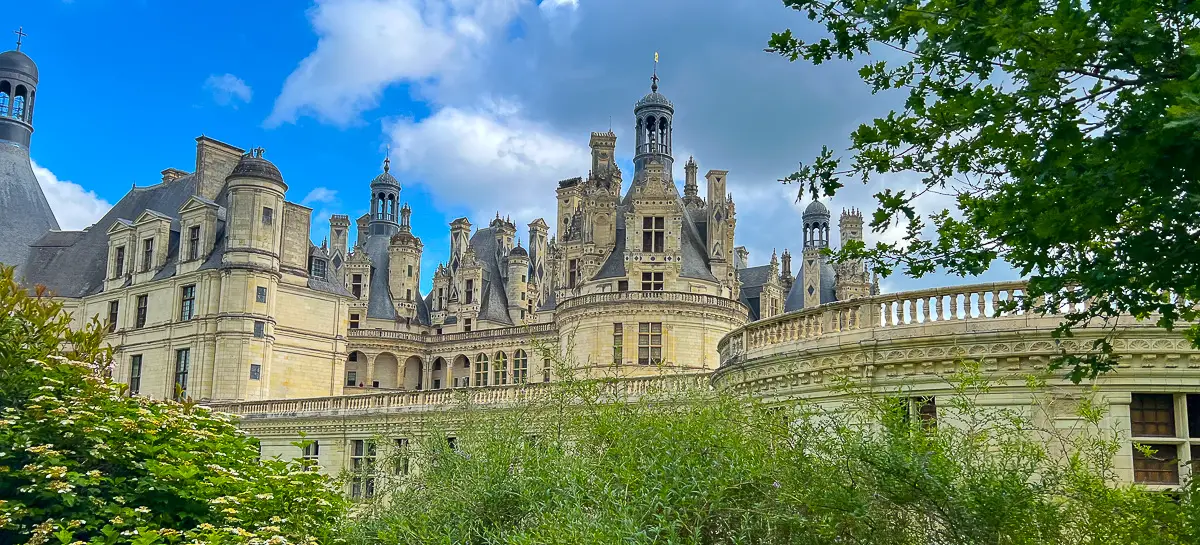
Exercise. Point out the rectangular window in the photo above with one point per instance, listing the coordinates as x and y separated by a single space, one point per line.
622 285
311 453
652 281
1193 415
182 362
467 324
546 370
649 343
470 291
572 273
143 302
260 295
147 254
410 271
187 303
924 408
268 216
522 279
119 262
316 268
439 331
260 329
1161 467
408 295
356 285
441 299
618 343
193 242
1152 415
362 463
354 321
113 308
654 234
351 378
135 374
401 457
255 371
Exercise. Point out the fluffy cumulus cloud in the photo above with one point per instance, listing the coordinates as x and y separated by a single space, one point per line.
366 45
228 89
568 67
73 206
320 195
489 159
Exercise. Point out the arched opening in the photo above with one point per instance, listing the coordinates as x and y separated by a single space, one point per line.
5 97
481 369
663 135
29 107
356 369
387 371
520 367
439 377
500 369
18 103
413 369
460 372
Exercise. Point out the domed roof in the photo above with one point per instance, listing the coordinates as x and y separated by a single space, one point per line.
385 177
815 208
18 61
654 98
518 251
253 165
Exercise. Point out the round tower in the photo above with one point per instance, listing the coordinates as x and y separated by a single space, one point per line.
253 239
404 267
653 125
816 225
18 93
517 286
25 214
385 195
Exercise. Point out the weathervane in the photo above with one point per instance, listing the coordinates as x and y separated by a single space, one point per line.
387 159
654 78
20 32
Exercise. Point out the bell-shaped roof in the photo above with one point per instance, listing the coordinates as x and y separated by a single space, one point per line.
815 208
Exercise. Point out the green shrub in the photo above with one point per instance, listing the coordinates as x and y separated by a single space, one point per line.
694 467
83 462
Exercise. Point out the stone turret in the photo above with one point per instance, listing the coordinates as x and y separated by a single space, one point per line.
691 191
404 267
517 285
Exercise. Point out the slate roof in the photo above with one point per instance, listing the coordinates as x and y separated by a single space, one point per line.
25 216
75 263
795 298
752 281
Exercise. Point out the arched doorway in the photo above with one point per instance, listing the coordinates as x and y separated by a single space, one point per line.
412 373
387 371
460 372
439 377
356 370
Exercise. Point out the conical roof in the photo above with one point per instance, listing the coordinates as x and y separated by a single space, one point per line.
25 214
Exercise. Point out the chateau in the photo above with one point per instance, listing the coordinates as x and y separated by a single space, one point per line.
211 289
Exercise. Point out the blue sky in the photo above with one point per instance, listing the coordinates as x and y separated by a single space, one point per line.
485 104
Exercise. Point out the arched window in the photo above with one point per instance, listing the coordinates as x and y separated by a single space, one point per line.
481 370
500 369
29 107
5 97
520 367
18 103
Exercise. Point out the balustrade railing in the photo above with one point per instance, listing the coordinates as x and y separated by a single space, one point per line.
486 395
971 302
535 329
651 296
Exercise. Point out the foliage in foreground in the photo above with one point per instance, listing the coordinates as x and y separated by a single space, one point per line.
81 462
691 467
1067 131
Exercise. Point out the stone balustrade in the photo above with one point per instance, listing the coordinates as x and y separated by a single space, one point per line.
427 400
651 297
483 334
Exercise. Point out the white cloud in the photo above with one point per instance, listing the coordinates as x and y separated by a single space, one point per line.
73 206
366 45
322 195
228 89
490 159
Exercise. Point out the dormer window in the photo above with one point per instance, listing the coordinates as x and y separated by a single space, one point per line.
470 291
654 234
119 262
316 268
193 243
356 285
148 254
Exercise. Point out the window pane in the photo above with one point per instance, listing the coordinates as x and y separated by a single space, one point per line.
1152 415
656 327
1162 467
1193 415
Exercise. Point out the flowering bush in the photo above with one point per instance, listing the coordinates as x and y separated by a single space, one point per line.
82 462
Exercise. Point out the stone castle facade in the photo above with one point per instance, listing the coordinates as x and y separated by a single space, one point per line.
211 289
